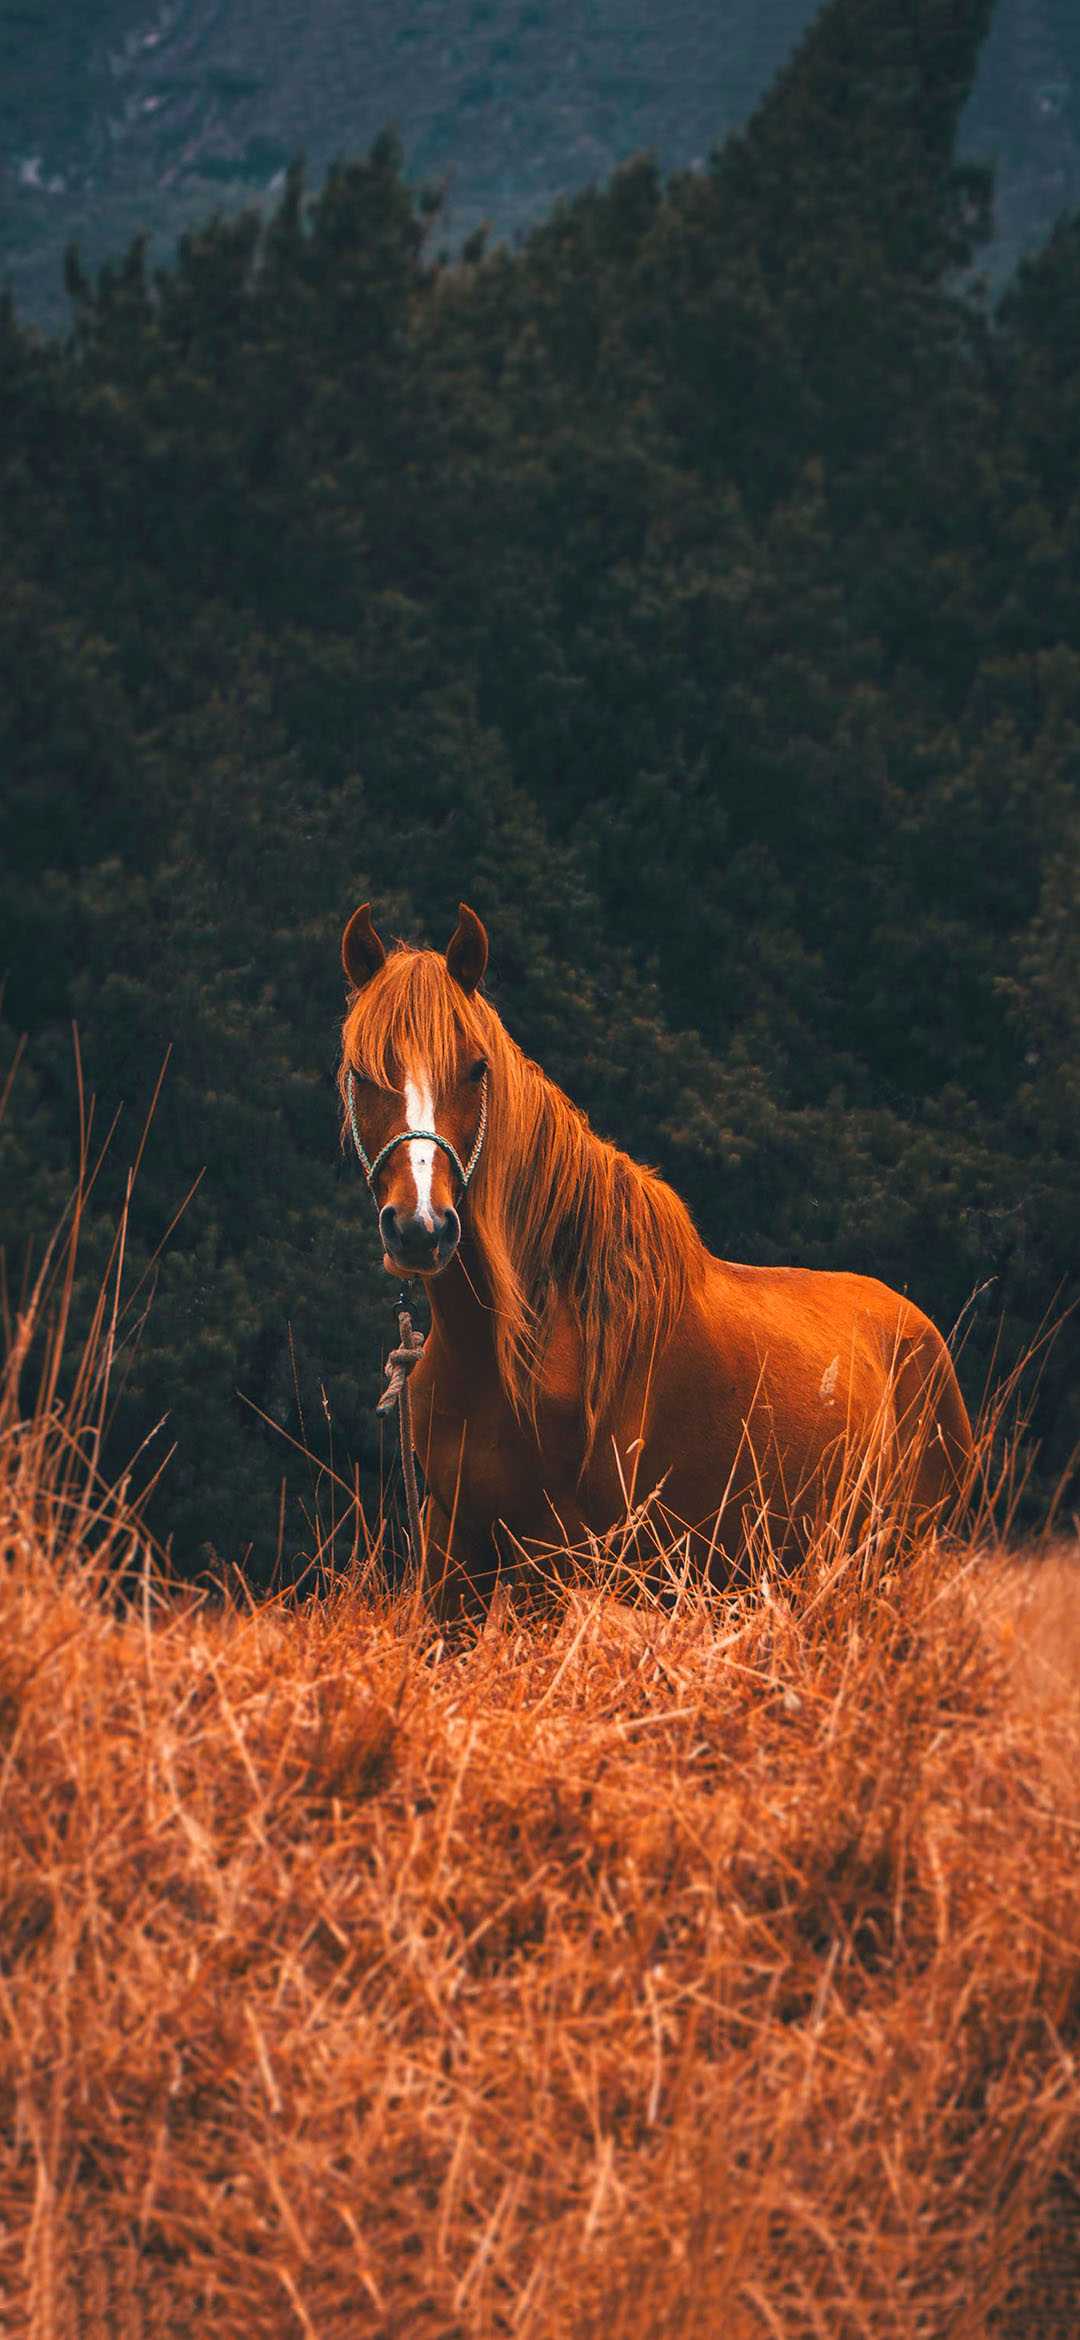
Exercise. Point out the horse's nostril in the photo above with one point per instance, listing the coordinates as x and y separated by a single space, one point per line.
412 1239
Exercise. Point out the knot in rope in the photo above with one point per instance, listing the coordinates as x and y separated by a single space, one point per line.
400 1362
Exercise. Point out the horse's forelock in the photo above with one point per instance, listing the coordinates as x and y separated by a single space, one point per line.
411 1018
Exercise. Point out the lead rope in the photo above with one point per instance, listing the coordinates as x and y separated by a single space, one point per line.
399 1366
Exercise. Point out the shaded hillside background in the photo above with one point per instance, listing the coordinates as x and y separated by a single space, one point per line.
143 115
695 590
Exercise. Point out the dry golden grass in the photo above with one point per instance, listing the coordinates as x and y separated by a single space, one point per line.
699 1969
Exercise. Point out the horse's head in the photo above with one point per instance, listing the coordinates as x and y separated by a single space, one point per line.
413 1080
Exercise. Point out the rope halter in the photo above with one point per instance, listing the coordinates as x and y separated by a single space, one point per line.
405 1138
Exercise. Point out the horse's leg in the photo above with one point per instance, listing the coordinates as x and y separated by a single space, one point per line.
462 1571
458 1579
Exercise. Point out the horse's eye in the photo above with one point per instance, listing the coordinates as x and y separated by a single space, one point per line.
477 1070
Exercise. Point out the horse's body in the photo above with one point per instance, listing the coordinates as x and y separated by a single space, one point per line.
777 1388
585 1347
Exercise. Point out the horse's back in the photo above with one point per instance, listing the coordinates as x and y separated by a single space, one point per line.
782 1382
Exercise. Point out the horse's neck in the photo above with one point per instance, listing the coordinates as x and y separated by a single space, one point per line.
460 1301
463 1320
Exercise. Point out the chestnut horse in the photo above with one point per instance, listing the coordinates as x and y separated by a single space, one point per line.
583 1341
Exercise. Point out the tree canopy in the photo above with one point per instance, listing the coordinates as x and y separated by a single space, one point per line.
694 590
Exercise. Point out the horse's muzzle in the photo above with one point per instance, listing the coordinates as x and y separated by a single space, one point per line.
414 1247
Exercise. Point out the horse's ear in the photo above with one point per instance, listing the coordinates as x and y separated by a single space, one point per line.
362 953
467 949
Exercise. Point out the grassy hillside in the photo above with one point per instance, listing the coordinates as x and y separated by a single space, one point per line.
627 1970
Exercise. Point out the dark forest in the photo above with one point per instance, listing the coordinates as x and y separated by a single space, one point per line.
695 590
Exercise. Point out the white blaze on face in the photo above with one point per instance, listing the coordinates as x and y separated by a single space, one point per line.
420 1114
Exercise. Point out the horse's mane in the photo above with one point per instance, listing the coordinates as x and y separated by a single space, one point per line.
557 1213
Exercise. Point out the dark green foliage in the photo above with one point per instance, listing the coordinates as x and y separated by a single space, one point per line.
693 591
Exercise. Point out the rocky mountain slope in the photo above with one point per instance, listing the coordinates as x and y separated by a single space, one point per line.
148 114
